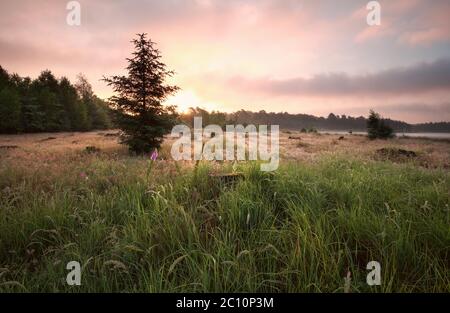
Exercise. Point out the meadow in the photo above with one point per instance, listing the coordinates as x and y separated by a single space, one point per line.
333 205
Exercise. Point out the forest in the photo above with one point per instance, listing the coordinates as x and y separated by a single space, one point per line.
49 104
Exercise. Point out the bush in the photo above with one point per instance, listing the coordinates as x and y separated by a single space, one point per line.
92 149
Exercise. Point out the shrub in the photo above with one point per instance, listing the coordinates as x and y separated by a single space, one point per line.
92 149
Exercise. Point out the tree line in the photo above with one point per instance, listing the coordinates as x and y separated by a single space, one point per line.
305 121
48 104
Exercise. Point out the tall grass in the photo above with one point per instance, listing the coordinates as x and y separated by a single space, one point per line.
300 229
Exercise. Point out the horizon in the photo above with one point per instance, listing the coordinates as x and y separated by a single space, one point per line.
186 111
297 56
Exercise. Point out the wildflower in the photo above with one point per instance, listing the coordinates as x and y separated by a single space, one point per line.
154 155
83 175
153 158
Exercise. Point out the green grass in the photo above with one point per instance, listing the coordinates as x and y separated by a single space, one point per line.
299 229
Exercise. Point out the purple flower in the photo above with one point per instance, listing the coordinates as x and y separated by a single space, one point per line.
154 155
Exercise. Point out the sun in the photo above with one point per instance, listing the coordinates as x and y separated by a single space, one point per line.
186 99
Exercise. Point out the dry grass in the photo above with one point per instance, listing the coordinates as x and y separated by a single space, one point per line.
431 153
39 150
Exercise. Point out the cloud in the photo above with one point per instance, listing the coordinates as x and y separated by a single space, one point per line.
412 22
262 45
420 78
373 32
426 36
412 112
441 110
432 26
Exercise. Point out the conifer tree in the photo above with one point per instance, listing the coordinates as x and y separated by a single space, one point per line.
377 128
139 97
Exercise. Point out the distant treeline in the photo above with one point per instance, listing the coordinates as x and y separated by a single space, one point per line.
48 104
300 121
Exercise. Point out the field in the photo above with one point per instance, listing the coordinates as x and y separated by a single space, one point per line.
333 205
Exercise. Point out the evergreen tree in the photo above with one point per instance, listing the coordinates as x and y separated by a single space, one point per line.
373 123
376 127
139 95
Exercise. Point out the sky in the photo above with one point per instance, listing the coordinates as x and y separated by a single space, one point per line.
296 56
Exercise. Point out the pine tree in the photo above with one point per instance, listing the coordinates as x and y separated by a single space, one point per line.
372 124
376 127
138 101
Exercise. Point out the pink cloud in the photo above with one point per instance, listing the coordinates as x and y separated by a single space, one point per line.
414 22
373 32
432 26
423 37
